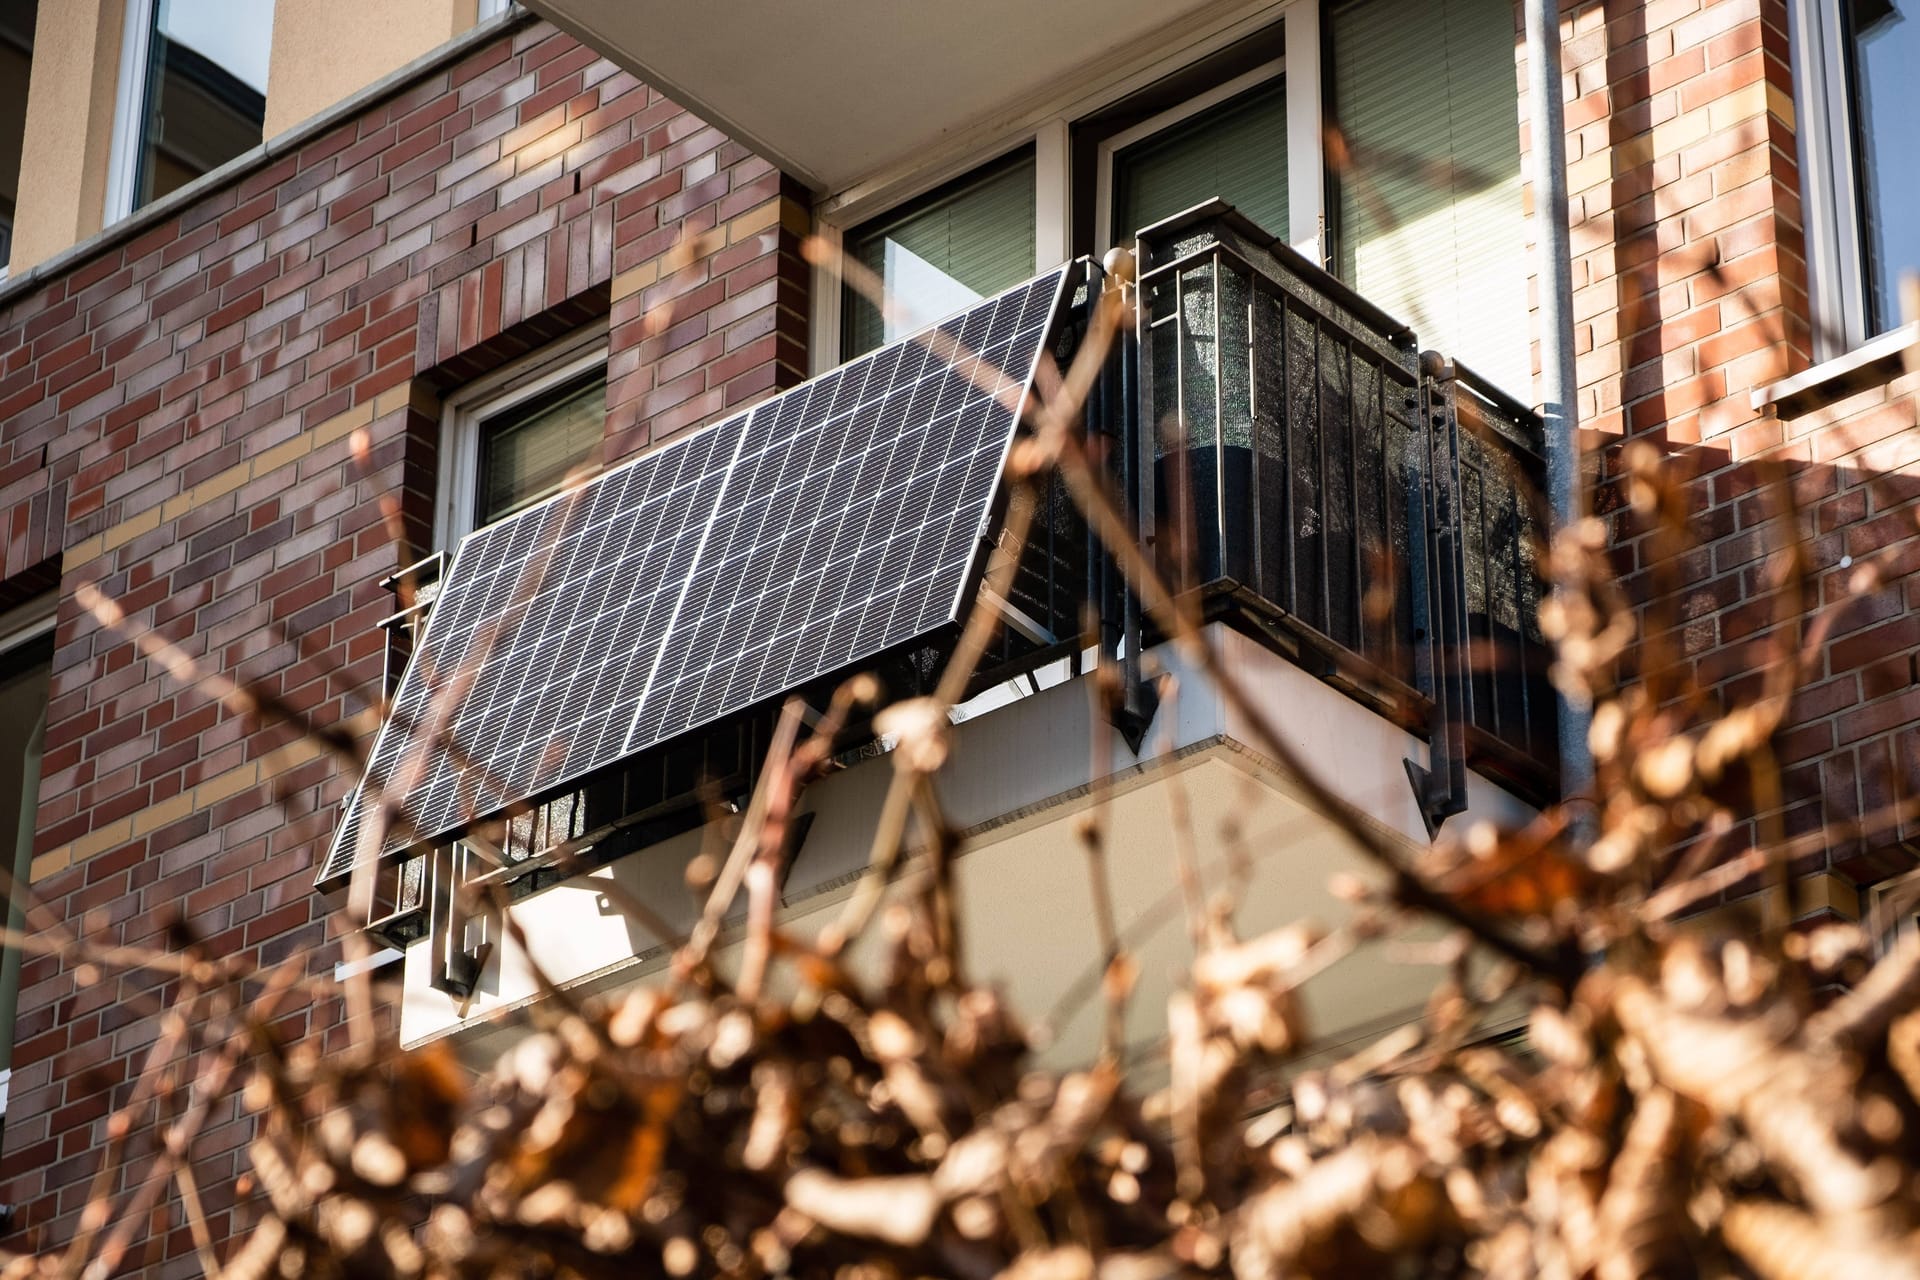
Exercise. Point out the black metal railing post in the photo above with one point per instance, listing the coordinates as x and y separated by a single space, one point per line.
1441 786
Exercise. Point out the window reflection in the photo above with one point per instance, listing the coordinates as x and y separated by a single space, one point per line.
206 91
939 254
1886 47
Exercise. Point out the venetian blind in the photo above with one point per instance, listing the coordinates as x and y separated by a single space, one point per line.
939 255
1431 223
1236 150
527 452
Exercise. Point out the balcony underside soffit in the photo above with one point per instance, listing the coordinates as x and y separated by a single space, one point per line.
837 93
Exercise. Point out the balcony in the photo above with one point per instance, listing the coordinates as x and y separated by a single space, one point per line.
1304 472
1352 522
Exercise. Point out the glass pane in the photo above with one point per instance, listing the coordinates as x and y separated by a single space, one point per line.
17 19
527 452
1886 48
206 89
1431 223
1237 151
24 672
944 253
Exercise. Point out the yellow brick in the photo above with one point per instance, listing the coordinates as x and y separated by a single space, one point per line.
127 530
282 758
220 485
111 836
1683 132
85 550
54 860
282 455
1780 105
153 817
392 398
175 507
344 424
795 217
230 783
1591 172
754 221
1633 153
631 282
1747 100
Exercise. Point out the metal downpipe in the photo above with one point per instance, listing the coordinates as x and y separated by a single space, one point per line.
1559 385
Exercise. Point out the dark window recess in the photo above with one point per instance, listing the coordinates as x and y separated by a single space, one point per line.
17 19
528 452
25 670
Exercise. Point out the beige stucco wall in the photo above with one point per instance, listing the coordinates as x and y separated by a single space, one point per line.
324 50
69 133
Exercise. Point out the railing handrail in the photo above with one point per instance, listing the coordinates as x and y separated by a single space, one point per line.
1224 215
1342 467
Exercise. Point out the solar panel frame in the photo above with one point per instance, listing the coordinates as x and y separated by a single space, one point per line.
668 519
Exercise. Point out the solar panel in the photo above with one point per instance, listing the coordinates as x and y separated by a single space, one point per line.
815 531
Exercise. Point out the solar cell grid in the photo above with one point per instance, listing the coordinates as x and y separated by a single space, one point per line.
820 528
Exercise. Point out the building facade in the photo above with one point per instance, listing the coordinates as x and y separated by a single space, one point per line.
293 304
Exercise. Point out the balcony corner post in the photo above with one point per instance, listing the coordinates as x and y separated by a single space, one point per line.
1559 382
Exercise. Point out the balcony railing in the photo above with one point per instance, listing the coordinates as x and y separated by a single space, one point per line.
1295 461
1297 466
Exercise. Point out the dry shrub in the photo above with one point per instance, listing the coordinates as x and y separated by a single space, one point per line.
1683 1101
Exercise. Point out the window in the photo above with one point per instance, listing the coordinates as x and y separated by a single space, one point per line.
17 21
1883 40
26 657
1425 207
1230 143
964 242
1430 223
523 435
1858 102
527 452
193 94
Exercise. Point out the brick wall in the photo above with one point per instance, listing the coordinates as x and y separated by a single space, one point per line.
1690 292
178 411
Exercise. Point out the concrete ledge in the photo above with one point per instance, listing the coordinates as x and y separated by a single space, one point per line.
1831 373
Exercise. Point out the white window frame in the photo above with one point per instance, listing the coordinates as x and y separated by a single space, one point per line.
491 9
129 109
466 413
1837 287
1048 130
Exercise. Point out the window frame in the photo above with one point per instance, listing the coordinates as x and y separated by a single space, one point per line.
1838 290
130 101
1110 146
464 415
129 109
953 189
1048 130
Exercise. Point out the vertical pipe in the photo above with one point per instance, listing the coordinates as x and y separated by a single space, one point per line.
1219 433
1558 383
